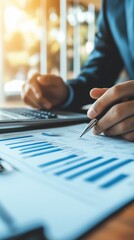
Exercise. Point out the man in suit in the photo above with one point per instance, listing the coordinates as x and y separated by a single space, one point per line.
114 51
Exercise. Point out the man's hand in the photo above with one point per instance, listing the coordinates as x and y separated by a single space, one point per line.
119 120
44 91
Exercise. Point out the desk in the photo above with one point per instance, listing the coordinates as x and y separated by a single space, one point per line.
120 226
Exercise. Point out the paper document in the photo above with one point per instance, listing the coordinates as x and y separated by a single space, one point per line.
96 171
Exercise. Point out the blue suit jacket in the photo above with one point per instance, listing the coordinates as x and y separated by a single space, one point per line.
114 50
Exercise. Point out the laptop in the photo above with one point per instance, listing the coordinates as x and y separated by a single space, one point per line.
20 118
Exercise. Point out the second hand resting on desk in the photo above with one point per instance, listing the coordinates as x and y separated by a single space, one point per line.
94 121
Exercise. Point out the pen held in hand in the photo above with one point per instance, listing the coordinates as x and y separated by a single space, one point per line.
94 121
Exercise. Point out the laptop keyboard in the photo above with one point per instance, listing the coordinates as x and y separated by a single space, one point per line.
34 114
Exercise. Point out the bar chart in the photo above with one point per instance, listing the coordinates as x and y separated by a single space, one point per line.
52 155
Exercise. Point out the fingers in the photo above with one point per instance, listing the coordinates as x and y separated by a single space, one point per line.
96 93
123 127
28 92
29 98
129 136
112 95
115 115
32 94
54 89
48 80
32 83
45 91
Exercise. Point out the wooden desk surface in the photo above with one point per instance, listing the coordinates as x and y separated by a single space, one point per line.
120 226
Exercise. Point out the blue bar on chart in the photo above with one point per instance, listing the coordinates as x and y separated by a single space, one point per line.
51 134
101 174
15 138
77 166
38 149
64 164
16 143
34 147
44 153
73 176
27 145
76 160
114 181
58 160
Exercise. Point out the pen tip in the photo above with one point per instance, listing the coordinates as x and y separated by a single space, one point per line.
81 135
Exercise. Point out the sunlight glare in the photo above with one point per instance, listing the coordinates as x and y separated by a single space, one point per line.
13 17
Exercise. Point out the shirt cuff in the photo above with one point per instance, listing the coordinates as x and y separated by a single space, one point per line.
70 98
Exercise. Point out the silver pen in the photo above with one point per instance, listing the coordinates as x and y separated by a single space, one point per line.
90 125
94 121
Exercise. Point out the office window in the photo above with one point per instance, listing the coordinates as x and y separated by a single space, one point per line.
53 36
21 41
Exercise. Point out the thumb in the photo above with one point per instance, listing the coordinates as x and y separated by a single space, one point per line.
95 93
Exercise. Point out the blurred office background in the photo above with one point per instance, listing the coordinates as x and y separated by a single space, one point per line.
47 36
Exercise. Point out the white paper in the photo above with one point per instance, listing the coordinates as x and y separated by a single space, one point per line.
95 170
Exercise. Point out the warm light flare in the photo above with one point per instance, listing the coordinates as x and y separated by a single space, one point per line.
13 17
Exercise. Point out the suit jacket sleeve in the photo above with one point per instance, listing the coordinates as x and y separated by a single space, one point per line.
103 66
